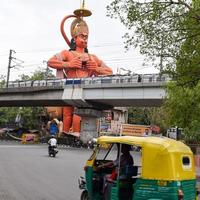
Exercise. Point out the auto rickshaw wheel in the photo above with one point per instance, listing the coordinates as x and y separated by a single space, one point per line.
84 195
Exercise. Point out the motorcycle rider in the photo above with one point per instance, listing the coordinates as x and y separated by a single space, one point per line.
52 143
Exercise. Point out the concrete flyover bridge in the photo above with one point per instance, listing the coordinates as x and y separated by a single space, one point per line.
94 92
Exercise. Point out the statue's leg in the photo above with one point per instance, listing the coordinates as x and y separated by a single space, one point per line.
76 124
60 128
67 118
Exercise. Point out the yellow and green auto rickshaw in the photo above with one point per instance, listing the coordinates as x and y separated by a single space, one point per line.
163 169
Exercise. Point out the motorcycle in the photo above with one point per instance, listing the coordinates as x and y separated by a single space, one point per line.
52 151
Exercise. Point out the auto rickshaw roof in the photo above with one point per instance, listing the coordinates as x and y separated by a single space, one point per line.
162 158
149 142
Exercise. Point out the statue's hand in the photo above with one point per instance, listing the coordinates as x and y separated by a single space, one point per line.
75 63
91 65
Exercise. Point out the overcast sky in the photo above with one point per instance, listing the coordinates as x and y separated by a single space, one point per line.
32 29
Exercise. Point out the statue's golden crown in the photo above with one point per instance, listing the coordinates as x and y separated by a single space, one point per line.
79 26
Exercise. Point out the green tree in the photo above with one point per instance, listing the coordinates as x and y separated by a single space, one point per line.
188 64
160 27
2 81
138 115
169 30
7 115
29 115
148 116
183 108
40 74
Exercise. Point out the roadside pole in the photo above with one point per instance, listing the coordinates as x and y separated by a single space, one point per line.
9 66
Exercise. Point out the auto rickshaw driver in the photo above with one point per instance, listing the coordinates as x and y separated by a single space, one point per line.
124 160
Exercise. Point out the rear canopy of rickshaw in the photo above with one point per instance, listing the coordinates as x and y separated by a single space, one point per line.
162 158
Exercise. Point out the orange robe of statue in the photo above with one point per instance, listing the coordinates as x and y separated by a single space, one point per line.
77 64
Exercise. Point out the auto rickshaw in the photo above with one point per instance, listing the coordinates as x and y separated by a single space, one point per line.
163 170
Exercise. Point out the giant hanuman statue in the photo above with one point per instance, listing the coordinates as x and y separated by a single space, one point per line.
76 62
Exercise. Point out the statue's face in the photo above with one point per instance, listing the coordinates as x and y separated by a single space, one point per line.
81 40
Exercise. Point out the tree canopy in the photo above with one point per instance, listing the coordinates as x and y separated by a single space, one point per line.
183 109
168 33
39 74
27 116
2 81
148 116
162 29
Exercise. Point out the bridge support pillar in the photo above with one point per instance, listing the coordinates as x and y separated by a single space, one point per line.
88 123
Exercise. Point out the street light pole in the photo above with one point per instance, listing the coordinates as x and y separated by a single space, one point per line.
9 66
47 69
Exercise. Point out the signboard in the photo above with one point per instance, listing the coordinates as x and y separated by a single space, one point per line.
115 127
135 130
105 123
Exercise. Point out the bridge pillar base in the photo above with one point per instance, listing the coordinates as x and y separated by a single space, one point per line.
88 129
88 123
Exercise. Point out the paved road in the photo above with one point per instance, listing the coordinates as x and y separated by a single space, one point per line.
27 173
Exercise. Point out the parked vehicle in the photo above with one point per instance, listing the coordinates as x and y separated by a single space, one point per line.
30 137
175 133
165 171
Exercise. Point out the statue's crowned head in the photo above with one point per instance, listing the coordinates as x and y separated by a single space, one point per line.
79 26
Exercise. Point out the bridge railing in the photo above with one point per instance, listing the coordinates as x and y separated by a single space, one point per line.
144 78
114 79
37 83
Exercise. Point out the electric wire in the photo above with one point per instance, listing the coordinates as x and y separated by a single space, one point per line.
59 49
114 57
